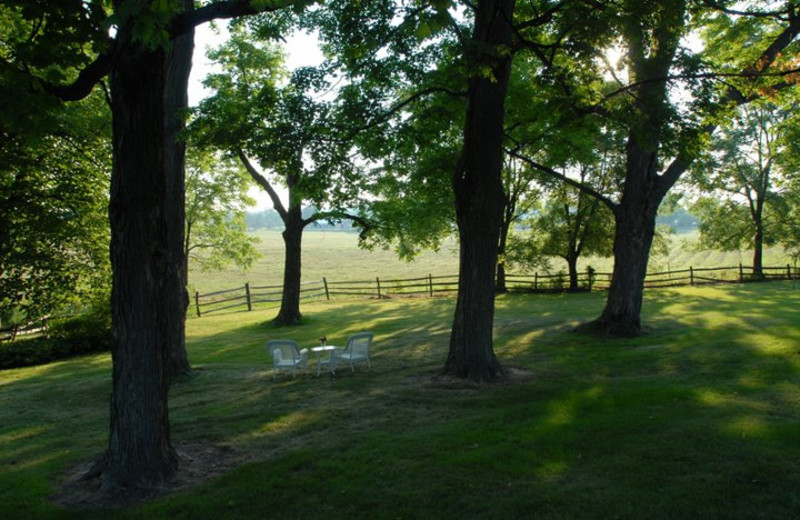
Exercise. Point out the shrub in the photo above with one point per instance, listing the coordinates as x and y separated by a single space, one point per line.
67 337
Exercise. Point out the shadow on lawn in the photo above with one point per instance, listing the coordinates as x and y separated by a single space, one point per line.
693 419
625 436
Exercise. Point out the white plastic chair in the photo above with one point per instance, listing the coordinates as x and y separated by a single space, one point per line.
356 349
286 354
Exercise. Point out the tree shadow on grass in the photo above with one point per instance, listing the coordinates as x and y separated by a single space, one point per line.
693 419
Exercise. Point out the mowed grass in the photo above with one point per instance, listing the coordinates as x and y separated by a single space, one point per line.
336 256
331 254
697 418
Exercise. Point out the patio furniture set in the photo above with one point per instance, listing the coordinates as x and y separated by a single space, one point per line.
287 355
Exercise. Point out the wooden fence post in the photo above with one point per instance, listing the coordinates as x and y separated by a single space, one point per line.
430 284
788 272
325 283
536 280
378 280
247 292
691 275
197 302
741 273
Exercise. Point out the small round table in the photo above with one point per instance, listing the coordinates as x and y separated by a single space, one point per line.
319 351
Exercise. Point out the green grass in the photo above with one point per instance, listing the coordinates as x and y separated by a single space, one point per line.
698 418
335 255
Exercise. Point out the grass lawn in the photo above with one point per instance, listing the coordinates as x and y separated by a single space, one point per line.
698 418
336 255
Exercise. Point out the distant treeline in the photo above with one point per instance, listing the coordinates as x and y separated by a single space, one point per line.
680 221
269 219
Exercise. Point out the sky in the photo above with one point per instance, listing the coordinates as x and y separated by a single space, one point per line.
302 51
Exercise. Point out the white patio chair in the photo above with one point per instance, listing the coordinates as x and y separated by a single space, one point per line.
286 354
356 349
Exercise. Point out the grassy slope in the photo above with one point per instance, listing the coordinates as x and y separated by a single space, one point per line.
336 256
699 418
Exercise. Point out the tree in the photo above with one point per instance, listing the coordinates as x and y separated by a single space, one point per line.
417 38
216 198
479 196
664 134
741 205
148 61
289 132
571 224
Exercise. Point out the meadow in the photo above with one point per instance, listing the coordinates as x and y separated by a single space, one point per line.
697 418
336 255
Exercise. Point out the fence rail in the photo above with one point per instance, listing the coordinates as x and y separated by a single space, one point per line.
430 286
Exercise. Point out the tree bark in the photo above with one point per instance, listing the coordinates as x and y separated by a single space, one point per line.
178 67
289 313
479 196
146 258
635 219
501 251
572 267
758 251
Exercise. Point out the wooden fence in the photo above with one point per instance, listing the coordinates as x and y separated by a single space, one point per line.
430 286
32 327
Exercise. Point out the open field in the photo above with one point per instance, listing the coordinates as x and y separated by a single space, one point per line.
698 418
335 255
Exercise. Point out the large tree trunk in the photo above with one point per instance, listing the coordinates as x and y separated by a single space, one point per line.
289 313
179 65
479 195
146 262
635 227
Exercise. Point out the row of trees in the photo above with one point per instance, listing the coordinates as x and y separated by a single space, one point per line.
441 110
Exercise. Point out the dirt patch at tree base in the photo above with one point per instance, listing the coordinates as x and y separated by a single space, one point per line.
197 463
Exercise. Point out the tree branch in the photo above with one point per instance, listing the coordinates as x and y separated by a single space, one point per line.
681 164
386 115
783 15
264 183
183 22
365 224
572 182
732 93
180 24
85 82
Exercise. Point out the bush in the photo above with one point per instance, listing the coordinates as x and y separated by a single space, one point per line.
88 333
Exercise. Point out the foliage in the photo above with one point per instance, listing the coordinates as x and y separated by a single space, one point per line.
86 333
742 205
43 41
402 103
570 224
53 217
413 206
54 160
277 119
216 199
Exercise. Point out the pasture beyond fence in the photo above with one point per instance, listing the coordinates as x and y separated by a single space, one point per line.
429 286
